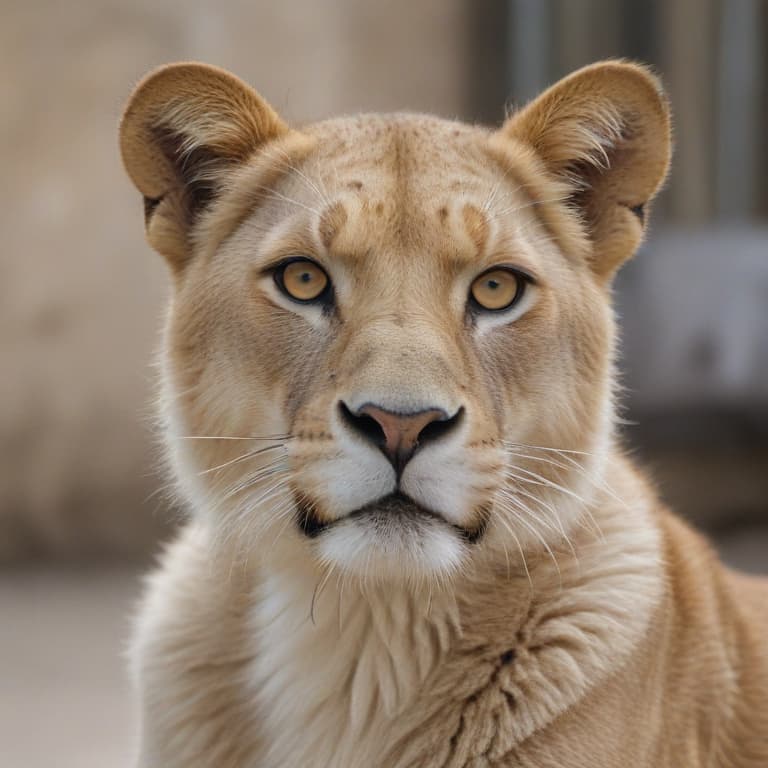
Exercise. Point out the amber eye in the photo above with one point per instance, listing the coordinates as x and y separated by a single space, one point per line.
497 289
302 280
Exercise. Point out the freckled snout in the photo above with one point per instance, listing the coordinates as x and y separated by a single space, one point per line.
399 435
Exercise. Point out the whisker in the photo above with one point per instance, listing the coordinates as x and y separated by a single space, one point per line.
543 541
598 482
242 522
548 460
579 520
501 519
546 482
286 512
551 484
280 196
556 527
545 448
342 581
512 496
231 437
256 527
496 188
515 209
506 557
546 546
318 591
555 516
242 457
267 471
324 197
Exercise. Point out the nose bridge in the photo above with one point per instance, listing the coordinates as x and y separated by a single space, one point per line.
401 365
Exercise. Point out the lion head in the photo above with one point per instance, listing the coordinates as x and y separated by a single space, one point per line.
389 348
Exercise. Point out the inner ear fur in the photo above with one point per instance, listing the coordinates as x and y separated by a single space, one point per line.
604 133
184 126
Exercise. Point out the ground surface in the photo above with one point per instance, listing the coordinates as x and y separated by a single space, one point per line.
64 697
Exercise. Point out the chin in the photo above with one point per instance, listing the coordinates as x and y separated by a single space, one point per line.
392 540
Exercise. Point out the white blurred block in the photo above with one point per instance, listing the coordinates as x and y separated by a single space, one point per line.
693 310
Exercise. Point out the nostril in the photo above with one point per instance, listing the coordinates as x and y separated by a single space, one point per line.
365 426
397 434
440 427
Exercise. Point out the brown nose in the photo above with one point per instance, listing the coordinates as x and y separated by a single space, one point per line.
398 435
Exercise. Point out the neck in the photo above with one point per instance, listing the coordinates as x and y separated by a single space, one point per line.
339 657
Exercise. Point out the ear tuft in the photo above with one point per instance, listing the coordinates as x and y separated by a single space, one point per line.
570 139
184 127
605 132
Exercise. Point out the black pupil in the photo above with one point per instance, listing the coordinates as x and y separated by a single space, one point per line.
493 284
306 277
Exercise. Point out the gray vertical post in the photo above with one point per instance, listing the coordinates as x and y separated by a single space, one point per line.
529 51
740 72
688 31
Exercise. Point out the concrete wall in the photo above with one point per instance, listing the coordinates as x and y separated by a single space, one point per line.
80 292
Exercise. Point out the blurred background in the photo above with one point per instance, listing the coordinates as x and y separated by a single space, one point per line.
81 295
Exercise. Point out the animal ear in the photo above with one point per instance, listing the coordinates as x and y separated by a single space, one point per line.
604 132
184 127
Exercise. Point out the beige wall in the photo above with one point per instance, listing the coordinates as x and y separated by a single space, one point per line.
80 292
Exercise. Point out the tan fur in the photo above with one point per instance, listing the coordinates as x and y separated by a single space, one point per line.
585 625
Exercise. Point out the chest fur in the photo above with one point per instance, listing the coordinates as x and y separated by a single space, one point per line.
344 677
337 670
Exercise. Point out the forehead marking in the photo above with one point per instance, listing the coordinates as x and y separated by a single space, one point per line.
477 226
333 218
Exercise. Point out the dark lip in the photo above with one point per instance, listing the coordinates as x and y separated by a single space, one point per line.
396 504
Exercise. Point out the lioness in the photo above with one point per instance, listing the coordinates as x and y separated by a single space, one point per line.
388 401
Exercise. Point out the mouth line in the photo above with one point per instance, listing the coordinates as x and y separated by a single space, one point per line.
393 505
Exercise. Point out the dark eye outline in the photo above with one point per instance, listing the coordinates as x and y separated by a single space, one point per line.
524 279
324 298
